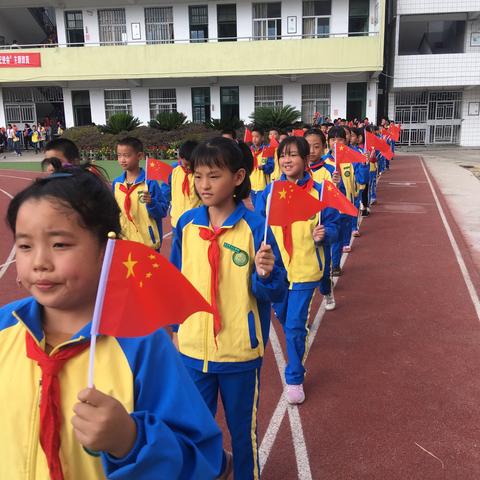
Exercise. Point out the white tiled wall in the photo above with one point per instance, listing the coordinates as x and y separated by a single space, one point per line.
406 7
437 70
470 131
473 26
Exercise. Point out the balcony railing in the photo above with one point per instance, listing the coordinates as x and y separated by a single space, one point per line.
191 41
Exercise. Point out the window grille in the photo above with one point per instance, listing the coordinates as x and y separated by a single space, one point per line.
315 98
269 96
117 101
112 26
162 100
159 25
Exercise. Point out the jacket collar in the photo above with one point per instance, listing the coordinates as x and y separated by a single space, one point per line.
302 181
139 179
202 219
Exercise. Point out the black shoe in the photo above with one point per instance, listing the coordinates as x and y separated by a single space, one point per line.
336 272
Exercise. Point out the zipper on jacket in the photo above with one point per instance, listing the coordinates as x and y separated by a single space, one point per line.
34 435
205 347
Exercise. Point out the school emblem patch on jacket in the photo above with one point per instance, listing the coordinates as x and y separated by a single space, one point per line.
239 257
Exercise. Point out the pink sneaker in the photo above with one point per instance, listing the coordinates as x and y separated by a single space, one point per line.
295 394
356 233
347 249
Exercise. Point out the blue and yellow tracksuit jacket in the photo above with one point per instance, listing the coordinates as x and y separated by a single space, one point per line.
322 171
305 268
277 172
174 195
347 183
361 171
243 297
176 434
146 226
260 178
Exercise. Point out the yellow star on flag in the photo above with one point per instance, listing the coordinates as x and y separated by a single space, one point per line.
155 265
148 275
152 164
283 194
130 264
330 188
151 257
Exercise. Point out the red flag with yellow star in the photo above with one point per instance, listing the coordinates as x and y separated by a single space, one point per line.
345 154
157 170
332 197
144 292
290 203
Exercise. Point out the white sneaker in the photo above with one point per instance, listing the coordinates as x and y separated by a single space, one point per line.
295 394
330 302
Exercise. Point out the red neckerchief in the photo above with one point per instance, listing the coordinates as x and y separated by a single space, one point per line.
50 411
127 203
214 261
186 182
287 229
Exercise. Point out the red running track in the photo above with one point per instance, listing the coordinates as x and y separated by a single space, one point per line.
392 372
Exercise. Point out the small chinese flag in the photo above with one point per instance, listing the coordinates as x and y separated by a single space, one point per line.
273 142
157 170
332 197
291 203
247 138
381 145
143 292
268 152
346 154
298 132
394 131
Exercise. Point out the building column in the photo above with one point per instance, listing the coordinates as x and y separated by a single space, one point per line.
247 102
141 104
184 102
97 106
3 120
292 95
215 101
338 100
372 100
68 108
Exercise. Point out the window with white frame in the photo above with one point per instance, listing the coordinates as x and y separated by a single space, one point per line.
316 18
269 96
267 21
112 26
159 24
162 100
117 101
315 98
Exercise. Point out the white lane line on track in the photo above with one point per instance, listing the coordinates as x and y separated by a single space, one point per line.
456 249
13 176
10 259
301 453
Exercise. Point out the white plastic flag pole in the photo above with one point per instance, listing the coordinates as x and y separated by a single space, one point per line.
146 168
267 212
97 312
335 151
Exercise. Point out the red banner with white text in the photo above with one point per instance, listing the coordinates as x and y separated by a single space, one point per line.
19 60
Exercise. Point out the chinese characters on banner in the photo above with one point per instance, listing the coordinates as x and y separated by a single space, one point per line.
13 60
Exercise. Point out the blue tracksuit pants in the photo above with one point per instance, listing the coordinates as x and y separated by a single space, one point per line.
293 314
326 281
372 187
239 392
357 204
344 235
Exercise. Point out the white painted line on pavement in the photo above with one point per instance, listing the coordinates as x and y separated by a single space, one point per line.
456 249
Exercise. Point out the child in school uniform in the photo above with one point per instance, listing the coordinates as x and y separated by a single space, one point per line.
219 248
144 418
361 175
344 177
274 135
262 166
180 190
302 246
141 201
321 171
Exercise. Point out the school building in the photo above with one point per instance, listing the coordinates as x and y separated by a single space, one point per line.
87 59
434 71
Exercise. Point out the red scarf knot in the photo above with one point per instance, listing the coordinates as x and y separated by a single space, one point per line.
50 409
127 204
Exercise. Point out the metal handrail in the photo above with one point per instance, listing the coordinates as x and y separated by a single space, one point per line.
190 41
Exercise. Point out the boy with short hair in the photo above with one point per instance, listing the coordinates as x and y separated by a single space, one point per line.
141 201
63 149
